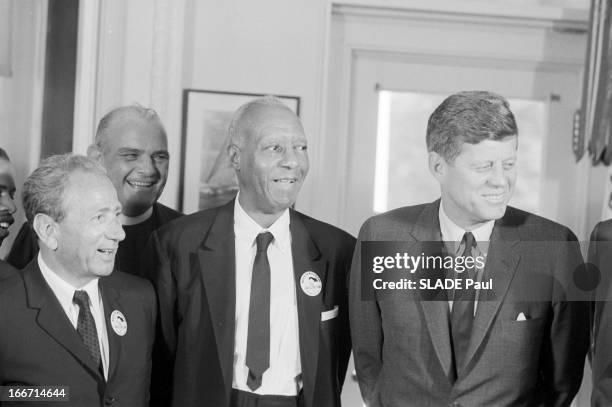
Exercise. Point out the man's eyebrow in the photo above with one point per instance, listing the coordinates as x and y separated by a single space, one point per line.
161 152
108 209
123 150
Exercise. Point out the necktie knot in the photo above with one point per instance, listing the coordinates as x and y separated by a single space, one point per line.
81 298
263 241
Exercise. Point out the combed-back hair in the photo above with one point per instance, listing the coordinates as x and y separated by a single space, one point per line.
43 191
468 117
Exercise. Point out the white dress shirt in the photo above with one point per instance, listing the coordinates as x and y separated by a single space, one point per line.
283 377
452 235
65 293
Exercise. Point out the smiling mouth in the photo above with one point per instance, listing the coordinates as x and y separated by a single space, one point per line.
107 252
285 180
495 198
6 221
141 184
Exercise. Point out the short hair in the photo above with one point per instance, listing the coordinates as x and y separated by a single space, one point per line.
44 189
242 114
468 117
126 114
4 155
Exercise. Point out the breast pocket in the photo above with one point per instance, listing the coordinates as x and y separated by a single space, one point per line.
329 327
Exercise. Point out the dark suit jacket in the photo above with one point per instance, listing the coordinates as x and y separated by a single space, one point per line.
194 260
401 343
600 255
25 246
39 346
6 270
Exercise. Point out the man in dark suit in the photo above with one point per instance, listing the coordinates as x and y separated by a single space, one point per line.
252 294
66 320
131 144
521 342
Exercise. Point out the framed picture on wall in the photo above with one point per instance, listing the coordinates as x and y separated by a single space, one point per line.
207 177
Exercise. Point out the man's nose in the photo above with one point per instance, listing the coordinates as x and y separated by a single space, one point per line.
116 231
497 176
290 158
146 166
7 204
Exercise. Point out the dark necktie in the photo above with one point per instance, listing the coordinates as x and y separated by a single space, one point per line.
258 340
462 315
86 327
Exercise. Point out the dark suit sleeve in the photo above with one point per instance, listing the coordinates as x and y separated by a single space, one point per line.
156 260
345 334
25 247
567 344
151 305
600 255
366 328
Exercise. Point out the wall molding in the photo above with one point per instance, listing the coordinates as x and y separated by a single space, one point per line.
86 75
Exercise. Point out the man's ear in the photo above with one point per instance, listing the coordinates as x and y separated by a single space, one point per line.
437 165
233 153
93 152
46 229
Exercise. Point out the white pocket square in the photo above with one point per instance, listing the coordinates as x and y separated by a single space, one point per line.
331 314
521 317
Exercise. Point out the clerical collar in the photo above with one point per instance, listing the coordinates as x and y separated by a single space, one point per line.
134 220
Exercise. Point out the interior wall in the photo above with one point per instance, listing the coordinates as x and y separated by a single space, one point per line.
150 50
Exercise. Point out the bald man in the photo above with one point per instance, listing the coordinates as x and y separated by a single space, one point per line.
132 146
253 294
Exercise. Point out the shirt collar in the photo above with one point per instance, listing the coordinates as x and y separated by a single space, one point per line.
246 229
63 290
452 232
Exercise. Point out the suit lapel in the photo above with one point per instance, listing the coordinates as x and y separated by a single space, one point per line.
52 318
110 299
435 305
501 264
307 257
216 258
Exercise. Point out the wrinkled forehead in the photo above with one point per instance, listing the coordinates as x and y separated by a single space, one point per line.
134 132
88 188
6 167
277 119
504 148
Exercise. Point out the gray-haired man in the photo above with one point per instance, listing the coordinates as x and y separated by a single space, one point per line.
68 319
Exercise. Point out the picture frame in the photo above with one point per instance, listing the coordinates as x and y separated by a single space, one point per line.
207 179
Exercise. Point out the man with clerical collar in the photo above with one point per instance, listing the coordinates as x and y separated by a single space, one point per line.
521 342
131 144
68 319
7 206
252 294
